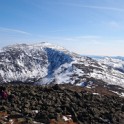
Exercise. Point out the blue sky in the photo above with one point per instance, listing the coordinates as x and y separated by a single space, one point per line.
93 27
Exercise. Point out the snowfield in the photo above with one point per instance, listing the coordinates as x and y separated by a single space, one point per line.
45 63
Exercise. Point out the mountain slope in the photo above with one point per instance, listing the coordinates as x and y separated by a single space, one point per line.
30 62
45 63
115 63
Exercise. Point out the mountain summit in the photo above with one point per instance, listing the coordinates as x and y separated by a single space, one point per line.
28 63
45 63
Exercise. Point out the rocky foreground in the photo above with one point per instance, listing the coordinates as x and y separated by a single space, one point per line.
58 104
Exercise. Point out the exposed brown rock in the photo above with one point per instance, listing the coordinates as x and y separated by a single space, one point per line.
49 104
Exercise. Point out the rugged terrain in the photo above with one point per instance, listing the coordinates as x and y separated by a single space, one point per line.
45 64
51 104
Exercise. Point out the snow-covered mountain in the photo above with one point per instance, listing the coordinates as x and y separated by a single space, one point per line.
45 63
29 63
117 64
119 57
103 57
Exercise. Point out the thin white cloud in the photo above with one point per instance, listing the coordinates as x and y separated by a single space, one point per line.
87 38
83 6
96 7
104 8
2 29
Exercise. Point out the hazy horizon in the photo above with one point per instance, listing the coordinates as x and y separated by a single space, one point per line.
84 27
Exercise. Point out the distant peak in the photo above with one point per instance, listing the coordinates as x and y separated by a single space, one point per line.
35 45
48 45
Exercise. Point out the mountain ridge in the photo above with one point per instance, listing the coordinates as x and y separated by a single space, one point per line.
45 63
